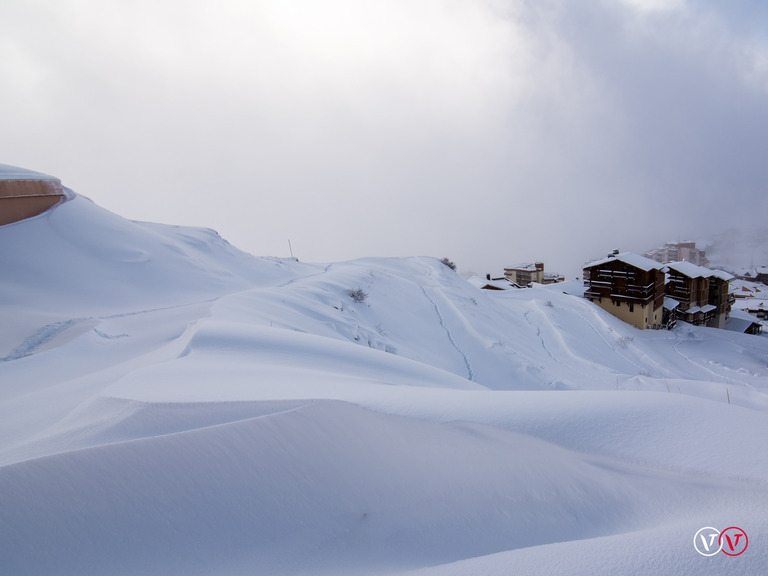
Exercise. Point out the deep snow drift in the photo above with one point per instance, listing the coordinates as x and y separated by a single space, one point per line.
171 405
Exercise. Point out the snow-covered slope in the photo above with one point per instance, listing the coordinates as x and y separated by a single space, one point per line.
171 405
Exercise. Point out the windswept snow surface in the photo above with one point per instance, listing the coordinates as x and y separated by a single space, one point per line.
171 405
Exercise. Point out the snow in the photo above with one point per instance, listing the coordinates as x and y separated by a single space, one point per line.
572 287
172 405
8 172
722 275
640 262
670 303
739 320
690 270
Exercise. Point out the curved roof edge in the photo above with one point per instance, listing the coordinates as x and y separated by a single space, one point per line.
8 172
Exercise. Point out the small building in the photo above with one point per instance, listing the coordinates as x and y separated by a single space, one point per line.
24 193
751 298
746 289
489 283
740 321
757 274
497 283
552 278
756 307
629 286
525 274
531 272
669 317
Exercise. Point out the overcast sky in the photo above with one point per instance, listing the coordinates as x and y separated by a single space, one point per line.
492 132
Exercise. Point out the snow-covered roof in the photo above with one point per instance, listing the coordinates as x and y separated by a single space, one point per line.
525 266
497 285
745 288
8 172
751 272
740 321
572 287
748 304
708 308
670 303
630 258
693 310
723 275
690 269
476 280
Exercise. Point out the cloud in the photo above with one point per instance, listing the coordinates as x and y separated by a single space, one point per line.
483 130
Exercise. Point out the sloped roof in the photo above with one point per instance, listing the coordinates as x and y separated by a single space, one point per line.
630 258
670 303
690 269
740 321
745 287
723 275
497 285
751 272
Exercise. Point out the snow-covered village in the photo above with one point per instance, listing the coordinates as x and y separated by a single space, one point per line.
383 288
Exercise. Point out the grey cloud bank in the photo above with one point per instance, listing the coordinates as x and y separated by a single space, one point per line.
490 132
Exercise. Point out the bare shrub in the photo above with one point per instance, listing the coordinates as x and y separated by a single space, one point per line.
357 295
448 263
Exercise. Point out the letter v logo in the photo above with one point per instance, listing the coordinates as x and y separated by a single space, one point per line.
705 539
733 541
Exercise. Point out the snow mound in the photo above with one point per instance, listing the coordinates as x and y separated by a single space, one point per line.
172 405
296 491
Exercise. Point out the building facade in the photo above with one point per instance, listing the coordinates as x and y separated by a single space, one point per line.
629 286
530 272
677 252
525 274
703 294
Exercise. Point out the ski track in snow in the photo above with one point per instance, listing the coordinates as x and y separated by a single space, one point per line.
40 338
613 346
718 377
470 374
306 276
538 334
